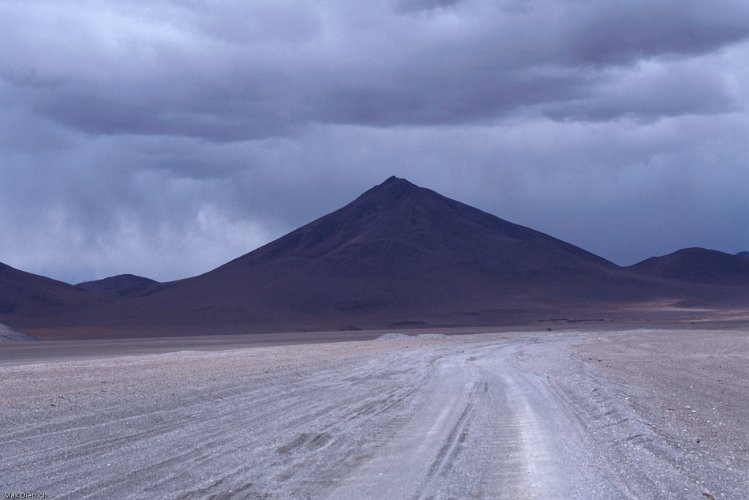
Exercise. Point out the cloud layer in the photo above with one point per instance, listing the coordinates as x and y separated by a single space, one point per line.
166 137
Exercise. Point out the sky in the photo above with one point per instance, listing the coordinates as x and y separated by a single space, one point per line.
166 137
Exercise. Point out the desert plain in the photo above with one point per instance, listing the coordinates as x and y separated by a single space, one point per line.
593 412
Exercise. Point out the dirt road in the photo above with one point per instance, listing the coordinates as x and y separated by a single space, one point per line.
530 415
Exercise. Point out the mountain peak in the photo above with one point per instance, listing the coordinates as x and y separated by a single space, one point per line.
396 180
399 228
399 183
391 190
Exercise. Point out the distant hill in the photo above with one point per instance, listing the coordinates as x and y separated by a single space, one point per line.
122 285
698 265
743 254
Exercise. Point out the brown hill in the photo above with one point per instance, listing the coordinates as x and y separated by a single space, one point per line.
698 265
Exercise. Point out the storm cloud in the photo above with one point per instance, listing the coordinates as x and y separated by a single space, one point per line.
164 138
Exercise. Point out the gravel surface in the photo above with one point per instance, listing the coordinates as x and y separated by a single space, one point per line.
635 414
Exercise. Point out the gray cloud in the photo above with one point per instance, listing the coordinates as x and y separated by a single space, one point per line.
232 72
629 31
166 137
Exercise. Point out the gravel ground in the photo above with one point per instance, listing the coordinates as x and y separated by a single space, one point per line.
635 414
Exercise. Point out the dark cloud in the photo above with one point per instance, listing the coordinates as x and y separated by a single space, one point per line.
621 32
235 72
166 137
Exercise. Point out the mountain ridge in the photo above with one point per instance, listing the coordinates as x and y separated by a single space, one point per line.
397 255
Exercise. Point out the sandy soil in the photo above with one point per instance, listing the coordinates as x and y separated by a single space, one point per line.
631 414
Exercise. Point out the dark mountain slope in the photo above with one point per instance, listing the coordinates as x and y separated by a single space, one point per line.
27 298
